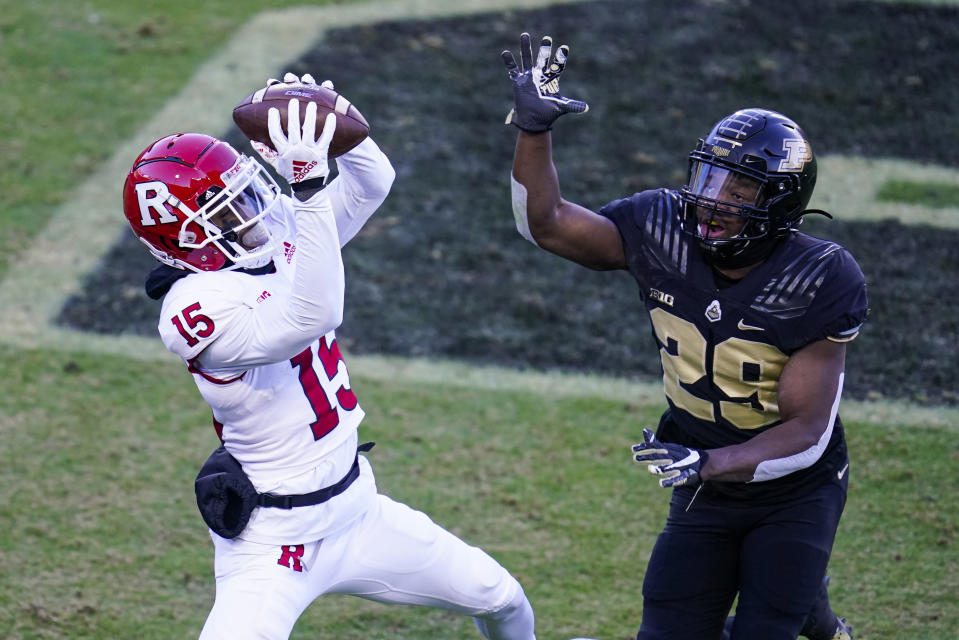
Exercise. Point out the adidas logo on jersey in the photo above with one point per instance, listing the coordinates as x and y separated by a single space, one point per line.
288 251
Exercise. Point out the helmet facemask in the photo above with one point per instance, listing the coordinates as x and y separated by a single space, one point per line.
758 207
231 217
724 209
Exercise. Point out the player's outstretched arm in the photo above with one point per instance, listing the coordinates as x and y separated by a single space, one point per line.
542 216
361 186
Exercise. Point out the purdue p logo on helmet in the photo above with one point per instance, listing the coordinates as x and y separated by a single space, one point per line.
767 149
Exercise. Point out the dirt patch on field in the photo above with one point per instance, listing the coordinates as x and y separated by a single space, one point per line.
440 271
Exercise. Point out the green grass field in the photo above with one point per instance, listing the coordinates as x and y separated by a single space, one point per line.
99 442
102 539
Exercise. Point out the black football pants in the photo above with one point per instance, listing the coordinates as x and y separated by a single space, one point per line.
773 555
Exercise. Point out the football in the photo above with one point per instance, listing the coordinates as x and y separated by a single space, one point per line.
251 114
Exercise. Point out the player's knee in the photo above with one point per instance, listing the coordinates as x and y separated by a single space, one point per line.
482 579
514 598
513 619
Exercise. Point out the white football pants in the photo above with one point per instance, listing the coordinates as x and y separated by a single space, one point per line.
393 554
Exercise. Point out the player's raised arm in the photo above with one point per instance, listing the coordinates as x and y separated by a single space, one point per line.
542 215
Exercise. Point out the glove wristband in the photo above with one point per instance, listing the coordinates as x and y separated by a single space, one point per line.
307 185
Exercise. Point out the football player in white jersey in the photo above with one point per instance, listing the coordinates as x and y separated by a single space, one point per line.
252 284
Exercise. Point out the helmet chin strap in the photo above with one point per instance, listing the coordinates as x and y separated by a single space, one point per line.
255 236
259 261
262 261
255 239
753 252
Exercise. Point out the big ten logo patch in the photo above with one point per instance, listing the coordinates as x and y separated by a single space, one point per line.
291 557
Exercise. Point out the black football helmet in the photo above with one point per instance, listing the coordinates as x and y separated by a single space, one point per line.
766 153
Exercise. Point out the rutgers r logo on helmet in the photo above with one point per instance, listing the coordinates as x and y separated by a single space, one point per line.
198 204
152 197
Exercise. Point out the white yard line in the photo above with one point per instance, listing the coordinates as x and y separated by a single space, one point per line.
847 187
40 280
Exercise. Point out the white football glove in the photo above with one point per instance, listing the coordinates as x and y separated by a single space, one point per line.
264 151
301 158
306 78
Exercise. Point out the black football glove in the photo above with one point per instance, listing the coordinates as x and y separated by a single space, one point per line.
536 88
678 465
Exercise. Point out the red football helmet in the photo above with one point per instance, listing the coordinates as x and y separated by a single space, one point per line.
198 204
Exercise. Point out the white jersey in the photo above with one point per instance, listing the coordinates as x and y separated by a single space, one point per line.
263 353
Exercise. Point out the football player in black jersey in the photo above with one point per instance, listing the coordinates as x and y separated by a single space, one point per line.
752 318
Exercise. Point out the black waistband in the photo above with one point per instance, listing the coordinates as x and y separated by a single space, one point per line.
319 496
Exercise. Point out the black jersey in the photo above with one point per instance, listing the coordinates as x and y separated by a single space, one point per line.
723 349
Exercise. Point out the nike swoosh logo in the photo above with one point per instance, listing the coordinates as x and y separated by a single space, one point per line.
842 471
691 459
748 327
